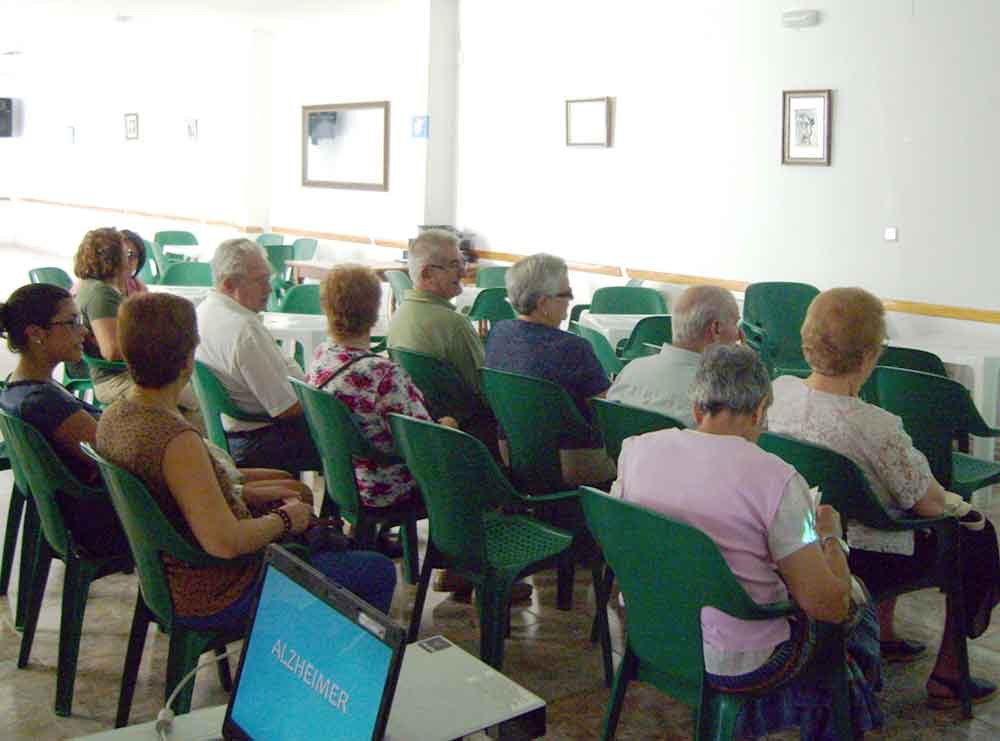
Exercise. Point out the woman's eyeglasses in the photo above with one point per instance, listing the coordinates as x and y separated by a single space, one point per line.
76 322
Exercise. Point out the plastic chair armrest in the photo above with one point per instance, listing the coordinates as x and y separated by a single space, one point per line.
772 610
574 313
558 496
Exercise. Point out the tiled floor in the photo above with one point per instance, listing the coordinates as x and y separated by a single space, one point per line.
548 652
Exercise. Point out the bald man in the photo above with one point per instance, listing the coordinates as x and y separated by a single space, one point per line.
702 316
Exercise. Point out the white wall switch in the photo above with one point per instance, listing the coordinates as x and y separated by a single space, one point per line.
890 234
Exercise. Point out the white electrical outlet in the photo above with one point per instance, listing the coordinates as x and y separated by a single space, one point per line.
890 234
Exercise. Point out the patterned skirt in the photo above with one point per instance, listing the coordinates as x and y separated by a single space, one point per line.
805 701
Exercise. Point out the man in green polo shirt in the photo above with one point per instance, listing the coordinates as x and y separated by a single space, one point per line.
426 320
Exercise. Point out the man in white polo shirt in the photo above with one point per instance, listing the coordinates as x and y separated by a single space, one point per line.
702 316
243 354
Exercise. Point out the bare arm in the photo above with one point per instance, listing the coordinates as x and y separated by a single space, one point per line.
106 333
263 474
817 575
190 477
932 503
77 428
295 410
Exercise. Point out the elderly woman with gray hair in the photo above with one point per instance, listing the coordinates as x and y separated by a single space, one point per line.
538 289
777 542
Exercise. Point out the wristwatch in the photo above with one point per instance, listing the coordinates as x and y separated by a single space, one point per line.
840 541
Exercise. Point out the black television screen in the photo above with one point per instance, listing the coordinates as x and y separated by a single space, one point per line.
322 125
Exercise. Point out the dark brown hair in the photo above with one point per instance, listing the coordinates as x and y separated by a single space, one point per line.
351 296
100 255
156 334
36 304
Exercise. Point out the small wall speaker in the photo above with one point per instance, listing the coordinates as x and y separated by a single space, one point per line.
6 117
800 18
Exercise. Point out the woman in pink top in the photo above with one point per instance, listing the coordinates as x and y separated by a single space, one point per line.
760 513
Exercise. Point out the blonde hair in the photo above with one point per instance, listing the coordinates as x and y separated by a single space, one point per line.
351 296
841 326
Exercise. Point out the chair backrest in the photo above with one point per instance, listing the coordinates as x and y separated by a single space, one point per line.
536 415
304 248
628 300
302 299
460 484
269 239
494 276
181 238
36 464
633 282
149 535
933 409
665 602
842 484
277 255
779 310
188 274
400 282
611 363
215 402
654 330
445 392
617 421
903 357
53 276
491 305
338 441
149 273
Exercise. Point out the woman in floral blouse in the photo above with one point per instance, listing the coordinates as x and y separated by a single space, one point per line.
372 387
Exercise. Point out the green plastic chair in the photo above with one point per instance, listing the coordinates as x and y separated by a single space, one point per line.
277 255
489 307
150 536
399 281
536 415
20 505
492 277
215 401
574 316
445 392
772 322
96 365
617 421
148 273
903 357
53 276
48 479
611 363
269 239
655 330
304 248
302 299
339 442
188 274
627 300
174 237
844 487
663 637
935 410
464 491
633 282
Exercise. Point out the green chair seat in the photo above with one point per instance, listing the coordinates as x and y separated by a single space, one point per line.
339 443
617 421
494 276
150 536
627 300
47 479
773 313
188 274
664 644
54 276
464 491
215 401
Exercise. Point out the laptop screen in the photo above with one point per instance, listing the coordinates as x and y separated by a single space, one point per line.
317 663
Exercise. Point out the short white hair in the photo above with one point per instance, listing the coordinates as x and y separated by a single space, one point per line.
696 310
533 278
232 259
426 247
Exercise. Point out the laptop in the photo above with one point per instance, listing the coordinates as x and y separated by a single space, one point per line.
318 662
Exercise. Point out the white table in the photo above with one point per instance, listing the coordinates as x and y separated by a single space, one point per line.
308 329
974 362
467 298
615 327
194 294
187 251
442 695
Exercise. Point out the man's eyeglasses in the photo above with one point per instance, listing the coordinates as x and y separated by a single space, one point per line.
453 265
76 322
563 294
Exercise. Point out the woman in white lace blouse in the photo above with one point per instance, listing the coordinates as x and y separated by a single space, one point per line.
842 339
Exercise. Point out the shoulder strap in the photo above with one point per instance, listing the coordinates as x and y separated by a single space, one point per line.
347 365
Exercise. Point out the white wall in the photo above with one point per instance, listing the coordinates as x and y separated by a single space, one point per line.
694 182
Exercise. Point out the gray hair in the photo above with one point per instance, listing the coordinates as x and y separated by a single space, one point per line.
729 377
232 259
696 310
533 278
426 248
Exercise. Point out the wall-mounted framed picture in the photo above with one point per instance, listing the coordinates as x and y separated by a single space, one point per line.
346 145
805 116
588 122
131 125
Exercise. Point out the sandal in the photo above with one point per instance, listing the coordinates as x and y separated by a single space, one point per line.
901 651
980 690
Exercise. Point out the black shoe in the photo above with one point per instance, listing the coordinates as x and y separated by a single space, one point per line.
980 690
901 651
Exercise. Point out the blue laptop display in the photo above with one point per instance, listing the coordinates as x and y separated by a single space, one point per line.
317 663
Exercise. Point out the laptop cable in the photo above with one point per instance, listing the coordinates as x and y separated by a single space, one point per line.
165 718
